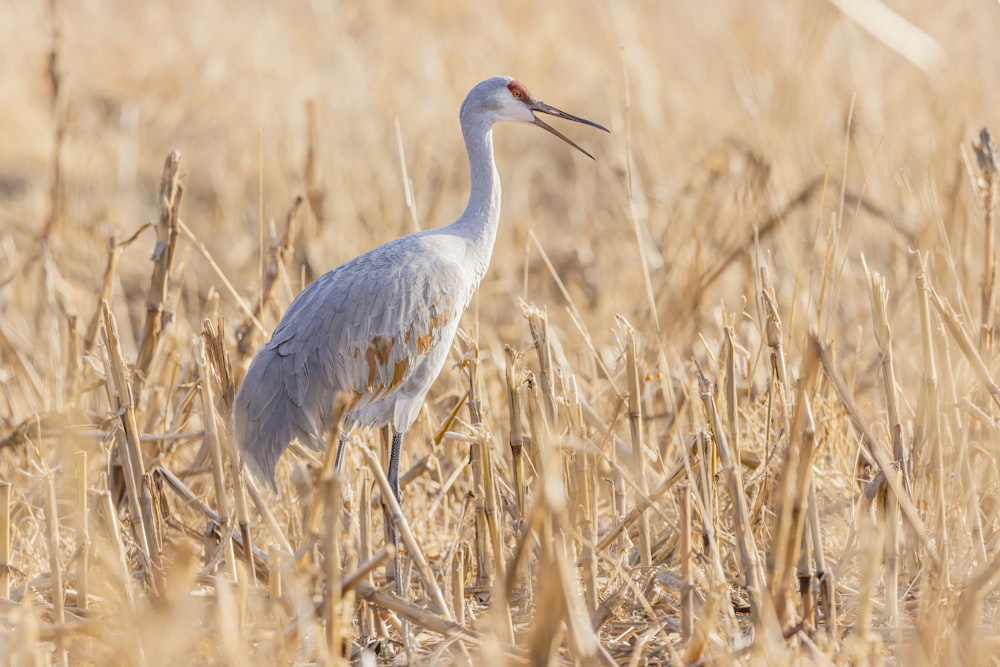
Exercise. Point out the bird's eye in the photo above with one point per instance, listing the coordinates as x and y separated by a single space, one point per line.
516 93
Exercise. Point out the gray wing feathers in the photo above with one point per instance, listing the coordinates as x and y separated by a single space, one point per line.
363 328
275 404
289 389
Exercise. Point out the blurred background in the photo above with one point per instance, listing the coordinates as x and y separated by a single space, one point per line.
722 114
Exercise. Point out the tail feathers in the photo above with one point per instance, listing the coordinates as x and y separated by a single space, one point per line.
267 416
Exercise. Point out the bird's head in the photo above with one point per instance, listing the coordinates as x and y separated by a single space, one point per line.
503 99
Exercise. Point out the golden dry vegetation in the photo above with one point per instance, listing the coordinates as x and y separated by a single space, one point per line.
750 351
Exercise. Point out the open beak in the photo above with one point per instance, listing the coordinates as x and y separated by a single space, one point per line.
542 107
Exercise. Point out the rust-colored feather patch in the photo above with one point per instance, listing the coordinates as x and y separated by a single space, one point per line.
424 341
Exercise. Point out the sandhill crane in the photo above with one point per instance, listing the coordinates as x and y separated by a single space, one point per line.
380 326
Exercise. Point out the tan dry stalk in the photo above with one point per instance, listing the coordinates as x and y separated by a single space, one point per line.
508 574
968 621
638 445
927 428
547 631
366 621
804 574
703 479
763 613
824 575
828 274
274 565
74 350
538 326
220 363
458 586
526 539
791 495
50 332
619 502
562 586
414 614
871 542
352 580
777 384
512 376
883 336
493 514
695 648
732 409
119 392
449 421
607 425
331 543
83 533
171 193
969 483
987 187
397 573
953 324
626 522
607 610
775 341
115 250
115 537
404 531
29 381
53 541
215 458
228 623
485 504
876 453
586 476
5 564
162 474
687 575
242 513
264 509
504 620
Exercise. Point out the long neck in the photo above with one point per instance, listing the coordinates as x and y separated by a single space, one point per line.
478 224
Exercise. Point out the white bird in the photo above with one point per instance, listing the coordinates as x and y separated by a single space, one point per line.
380 326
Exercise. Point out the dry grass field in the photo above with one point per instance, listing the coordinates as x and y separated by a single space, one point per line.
727 395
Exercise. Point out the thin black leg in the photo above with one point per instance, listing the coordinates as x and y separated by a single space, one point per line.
341 446
393 477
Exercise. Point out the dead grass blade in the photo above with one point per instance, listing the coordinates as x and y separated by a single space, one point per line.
905 504
171 193
130 458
